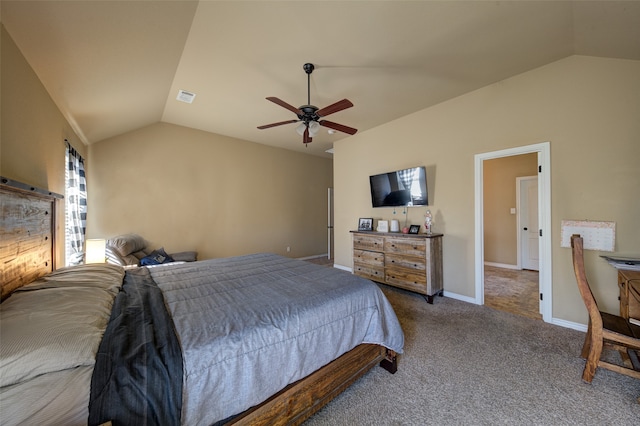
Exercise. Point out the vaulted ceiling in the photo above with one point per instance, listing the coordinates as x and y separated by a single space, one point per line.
116 66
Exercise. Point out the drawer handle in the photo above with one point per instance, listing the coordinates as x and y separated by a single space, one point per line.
415 248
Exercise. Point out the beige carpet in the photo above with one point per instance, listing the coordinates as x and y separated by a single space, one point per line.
471 365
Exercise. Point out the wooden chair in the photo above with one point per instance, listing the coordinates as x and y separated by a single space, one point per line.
604 329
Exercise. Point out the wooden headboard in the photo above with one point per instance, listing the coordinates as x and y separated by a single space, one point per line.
27 234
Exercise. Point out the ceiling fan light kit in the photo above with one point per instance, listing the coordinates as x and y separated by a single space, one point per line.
310 116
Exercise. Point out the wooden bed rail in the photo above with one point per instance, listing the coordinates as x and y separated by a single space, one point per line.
300 400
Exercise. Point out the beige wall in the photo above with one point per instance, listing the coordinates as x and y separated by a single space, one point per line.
500 232
178 187
186 189
32 132
587 108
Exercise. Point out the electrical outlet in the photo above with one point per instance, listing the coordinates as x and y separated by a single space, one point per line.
288 249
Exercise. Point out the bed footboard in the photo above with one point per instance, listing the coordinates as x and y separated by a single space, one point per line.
298 401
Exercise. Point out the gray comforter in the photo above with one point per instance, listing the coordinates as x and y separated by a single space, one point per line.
251 325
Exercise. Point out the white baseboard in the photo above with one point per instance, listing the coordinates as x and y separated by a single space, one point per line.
555 321
344 268
460 297
315 256
501 265
569 324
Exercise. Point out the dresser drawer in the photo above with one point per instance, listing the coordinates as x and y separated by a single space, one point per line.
406 246
407 279
367 271
368 242
370 258
410 262
417 264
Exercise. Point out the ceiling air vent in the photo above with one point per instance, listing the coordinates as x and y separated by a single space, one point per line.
184 96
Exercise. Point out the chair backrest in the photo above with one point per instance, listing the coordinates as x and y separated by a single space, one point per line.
583 284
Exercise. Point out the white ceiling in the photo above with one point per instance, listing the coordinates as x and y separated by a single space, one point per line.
115 66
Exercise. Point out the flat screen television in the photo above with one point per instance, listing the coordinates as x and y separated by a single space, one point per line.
407 187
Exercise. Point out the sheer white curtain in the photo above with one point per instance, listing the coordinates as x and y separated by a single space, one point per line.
76 206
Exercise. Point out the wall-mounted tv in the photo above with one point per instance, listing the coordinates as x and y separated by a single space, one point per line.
406 187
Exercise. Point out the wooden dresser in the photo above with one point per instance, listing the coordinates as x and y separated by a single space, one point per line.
409 261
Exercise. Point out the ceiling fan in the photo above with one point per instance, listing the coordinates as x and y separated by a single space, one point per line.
311 116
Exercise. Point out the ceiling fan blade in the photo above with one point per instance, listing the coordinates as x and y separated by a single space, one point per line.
338 127
338 106
280 123
305 137
285 105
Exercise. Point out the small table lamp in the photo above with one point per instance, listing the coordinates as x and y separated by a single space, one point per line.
95 251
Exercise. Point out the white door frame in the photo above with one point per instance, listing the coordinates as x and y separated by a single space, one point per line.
544 220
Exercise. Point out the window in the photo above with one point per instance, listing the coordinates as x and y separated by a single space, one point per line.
75 206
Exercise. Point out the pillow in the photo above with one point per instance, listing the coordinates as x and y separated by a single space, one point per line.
140 254
124 245
185 256
113 257
51 329
99 275
156 257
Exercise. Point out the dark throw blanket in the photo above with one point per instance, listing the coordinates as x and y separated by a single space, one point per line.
137 378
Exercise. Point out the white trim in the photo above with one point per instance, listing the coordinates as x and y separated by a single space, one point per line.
460 297
544 220
315 256
344 268
502 265
569 324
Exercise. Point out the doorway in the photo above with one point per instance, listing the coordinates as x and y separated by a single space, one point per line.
544 220
330 238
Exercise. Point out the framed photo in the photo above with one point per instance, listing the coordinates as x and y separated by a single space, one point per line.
414 229
365 224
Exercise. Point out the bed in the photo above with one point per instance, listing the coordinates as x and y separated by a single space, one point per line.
252 339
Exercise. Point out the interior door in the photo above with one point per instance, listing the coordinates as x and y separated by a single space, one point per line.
330 224
528 222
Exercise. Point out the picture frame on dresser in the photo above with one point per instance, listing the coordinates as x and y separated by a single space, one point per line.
365 224
414 229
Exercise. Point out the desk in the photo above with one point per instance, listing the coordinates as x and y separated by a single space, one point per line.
629 283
